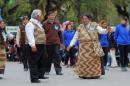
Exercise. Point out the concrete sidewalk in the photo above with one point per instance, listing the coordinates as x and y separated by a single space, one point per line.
15 76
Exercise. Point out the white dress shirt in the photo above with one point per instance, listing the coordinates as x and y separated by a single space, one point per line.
29 29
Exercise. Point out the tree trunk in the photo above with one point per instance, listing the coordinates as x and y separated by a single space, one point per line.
78 6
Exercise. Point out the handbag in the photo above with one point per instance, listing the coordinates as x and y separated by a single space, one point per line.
98 51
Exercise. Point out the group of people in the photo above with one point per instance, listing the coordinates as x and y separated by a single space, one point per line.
116 41
86 48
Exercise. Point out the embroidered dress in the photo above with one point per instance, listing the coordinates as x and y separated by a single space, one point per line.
87 65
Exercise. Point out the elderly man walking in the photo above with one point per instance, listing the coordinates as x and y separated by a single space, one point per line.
36 40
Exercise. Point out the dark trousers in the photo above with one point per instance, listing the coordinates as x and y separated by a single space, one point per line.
71 55
53 57
105 57
123 55
37 62
102 66
19 53
24 55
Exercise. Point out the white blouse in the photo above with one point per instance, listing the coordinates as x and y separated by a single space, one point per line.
75 38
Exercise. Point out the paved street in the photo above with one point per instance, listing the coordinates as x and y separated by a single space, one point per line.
15 76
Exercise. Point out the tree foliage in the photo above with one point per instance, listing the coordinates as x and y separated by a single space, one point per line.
13 9
67 9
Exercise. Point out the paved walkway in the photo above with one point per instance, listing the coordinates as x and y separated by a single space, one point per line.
15 76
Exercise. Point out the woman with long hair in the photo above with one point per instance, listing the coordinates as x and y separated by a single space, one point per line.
104 42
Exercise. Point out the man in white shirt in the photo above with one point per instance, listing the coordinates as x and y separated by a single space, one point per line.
36 40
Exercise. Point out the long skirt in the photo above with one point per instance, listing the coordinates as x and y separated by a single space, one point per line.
87 64
2 59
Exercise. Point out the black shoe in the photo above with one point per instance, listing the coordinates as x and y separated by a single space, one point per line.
35 81
1 77
59 73
43 77
96 77
82 77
